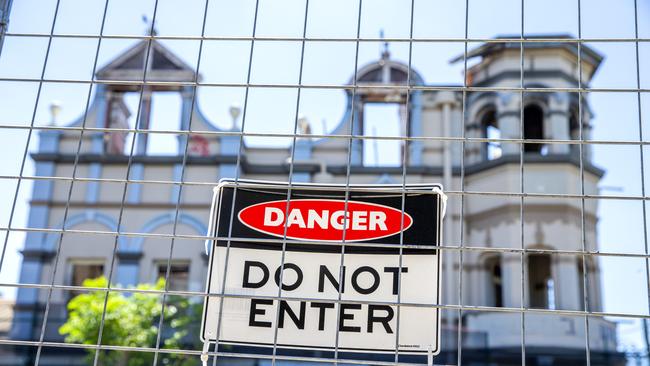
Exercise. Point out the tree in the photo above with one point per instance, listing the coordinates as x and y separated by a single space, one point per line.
130 320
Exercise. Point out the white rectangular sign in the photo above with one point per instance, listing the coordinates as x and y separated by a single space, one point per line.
310 312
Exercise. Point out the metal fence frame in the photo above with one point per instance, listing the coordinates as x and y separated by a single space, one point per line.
353 88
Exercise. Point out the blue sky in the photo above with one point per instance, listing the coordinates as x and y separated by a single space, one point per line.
272 110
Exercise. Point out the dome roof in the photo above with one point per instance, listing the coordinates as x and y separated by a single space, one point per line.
387 71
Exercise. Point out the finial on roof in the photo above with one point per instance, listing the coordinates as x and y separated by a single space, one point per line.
304 128
151 26
55 109
235 111
385 55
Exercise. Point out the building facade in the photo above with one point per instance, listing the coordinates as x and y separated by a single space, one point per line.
99 200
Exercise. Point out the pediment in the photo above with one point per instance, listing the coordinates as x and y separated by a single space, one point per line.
164 65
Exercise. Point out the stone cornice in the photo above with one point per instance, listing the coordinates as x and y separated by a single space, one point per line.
314 167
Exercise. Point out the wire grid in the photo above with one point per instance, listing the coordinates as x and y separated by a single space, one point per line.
459 195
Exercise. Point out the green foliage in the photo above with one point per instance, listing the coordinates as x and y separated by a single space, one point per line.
131 321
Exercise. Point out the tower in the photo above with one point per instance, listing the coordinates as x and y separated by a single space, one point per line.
536 225
552 224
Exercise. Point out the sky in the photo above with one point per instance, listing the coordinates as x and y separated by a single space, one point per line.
616 115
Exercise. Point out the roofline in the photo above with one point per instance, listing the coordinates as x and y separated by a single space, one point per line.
314 167
415 75
546 41
136 48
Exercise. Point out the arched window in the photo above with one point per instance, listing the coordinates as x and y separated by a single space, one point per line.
490 129
495 282
541 288
574 129
385 112
534 128
581 283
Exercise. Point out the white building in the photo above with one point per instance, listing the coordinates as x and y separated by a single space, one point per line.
490 278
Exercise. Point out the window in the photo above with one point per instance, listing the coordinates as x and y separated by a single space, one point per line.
179 275
534 128
83 271
491 130
541 288
581 284
574 130
493 269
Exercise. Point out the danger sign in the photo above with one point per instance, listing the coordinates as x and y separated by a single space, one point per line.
325 220
340 265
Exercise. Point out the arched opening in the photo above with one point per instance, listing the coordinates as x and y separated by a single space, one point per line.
541 288
137 106
154 110
385 113
574 129
534 129
490 130
383 120
581 283
495 281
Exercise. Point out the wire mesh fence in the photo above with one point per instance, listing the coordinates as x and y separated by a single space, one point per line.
543 262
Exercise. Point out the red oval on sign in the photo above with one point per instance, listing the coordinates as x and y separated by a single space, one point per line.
324 220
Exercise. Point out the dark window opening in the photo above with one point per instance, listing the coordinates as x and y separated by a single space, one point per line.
82 272
498 285
574 130
581 284
179 276
492 149
496 281
533 129
541 288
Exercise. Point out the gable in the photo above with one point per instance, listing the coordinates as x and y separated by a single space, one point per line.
129 65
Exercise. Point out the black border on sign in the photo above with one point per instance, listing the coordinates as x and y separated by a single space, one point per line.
392 188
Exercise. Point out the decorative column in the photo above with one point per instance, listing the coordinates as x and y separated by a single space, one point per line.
186 113
128 268
508 121
511 279
302 154
557 128
102 120
556 124
187 94
229 146
567 283
143 122
473 151
587 149
356 122
415 146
